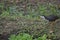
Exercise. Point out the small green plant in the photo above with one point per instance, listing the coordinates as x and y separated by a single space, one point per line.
5 14
44 37
21 37
25 36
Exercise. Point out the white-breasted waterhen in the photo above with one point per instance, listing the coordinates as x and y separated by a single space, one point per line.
52 20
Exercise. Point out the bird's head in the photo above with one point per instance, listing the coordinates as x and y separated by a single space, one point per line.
43 17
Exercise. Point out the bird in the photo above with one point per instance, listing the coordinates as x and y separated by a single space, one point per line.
52 20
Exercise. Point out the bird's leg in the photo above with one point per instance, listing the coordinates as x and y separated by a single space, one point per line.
57 20
52 27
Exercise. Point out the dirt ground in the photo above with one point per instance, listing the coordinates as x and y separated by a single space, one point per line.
8 26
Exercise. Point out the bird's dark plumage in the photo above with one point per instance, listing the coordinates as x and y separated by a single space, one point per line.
51 17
